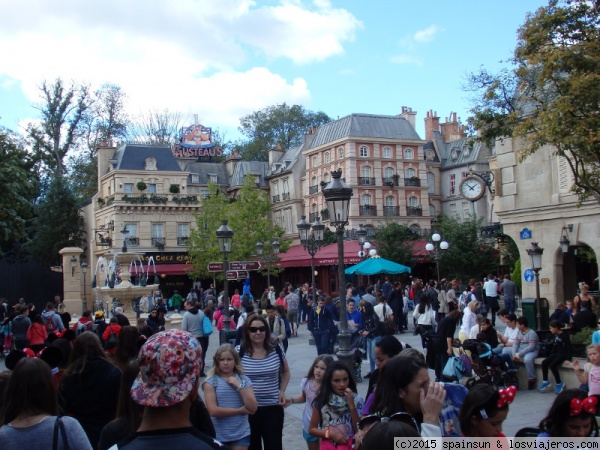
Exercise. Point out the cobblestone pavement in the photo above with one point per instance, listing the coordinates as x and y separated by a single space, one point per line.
528 408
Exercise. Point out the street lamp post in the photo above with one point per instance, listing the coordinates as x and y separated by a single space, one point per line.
535 253
361 235
269 260
225 239
337 195
84 267
312 241
435 250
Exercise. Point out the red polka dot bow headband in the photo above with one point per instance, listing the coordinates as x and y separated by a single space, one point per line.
587 405
506 396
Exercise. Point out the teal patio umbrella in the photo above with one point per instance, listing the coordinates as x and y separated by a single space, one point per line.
376 265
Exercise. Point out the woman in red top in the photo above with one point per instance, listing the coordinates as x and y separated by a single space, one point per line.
37 335
281 300
113 328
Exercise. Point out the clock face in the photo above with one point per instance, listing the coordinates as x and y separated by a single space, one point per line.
472 188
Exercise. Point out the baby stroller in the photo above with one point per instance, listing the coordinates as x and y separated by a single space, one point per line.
358 344
487 368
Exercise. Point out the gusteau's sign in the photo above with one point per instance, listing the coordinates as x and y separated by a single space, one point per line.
196 142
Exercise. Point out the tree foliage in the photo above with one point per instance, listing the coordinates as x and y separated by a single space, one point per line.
551 95
156 128
57 223
62 110
249 218
19 187
281 124
395 242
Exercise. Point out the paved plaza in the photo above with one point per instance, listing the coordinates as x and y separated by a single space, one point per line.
528 408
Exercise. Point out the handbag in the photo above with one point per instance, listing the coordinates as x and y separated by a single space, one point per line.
390 325
59 425
207 328
453 369
112 340
326 444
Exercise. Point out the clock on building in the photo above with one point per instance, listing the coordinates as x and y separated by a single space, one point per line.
472 188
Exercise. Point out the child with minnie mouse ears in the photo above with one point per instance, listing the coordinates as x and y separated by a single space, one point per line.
571 415
484 410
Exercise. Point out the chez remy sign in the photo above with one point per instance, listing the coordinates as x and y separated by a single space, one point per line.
196 141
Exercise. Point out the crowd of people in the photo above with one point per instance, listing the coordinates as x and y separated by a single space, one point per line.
102 384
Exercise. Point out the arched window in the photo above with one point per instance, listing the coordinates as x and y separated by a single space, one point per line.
415 229
408 153
413 201
411 173
365 171
432 211
327 157
341 152
430 183
315 161
390 200
326 177
388 173
365 200
387 152
364 151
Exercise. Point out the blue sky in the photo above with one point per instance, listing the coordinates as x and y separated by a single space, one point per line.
222 59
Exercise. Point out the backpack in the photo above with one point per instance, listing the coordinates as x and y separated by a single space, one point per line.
112 340
50 326
81 328
432 295
207 328
288 328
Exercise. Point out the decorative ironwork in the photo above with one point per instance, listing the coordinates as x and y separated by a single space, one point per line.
368 210
366 181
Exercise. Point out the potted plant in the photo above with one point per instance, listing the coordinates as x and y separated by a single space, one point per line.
100 201
174 189
160 245
141 186
325 213
389 183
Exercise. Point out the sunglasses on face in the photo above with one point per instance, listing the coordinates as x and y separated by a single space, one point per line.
366 422
257 329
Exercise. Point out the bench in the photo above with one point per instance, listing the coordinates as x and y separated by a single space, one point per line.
567 373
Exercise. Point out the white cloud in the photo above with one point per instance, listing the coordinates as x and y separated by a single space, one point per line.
425 35
407 59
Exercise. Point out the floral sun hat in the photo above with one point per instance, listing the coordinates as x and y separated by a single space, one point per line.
170 362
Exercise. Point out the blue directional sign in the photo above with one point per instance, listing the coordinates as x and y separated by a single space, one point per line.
529 275
525 233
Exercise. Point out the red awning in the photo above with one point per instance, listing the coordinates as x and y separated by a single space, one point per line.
171 269
296 256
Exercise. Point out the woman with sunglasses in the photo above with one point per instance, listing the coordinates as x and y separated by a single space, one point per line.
404 387
266 366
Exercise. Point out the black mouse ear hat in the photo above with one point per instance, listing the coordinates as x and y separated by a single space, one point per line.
13 358
51 356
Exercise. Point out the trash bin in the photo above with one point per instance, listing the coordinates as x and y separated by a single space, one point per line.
529 310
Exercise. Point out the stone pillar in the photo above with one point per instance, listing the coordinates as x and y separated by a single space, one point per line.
72 280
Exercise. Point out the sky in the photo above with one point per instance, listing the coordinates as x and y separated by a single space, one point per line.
223 59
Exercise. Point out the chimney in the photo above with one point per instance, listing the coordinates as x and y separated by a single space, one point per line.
432 123
409 115
275 154
105 153
452 130
231 162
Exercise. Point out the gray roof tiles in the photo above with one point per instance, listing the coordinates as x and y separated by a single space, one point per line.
133 157
244 168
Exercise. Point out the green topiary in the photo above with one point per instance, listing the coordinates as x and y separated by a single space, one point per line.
141 186
174 189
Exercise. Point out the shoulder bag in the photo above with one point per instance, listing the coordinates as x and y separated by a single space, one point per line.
63 434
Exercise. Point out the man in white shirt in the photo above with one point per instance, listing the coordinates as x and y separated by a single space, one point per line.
490 288
382 309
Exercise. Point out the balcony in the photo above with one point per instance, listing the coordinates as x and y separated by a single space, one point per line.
325 214
312 217
366 181
389 181
182 240
285 196
414 211
276 199
133 241
313 189
368 210
413 181
391 211
158 242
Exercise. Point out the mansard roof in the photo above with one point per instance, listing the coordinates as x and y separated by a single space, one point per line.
204 169
134 156
243 168
460 152
368 126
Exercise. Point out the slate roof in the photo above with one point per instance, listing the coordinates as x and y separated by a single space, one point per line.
243 168
365 126
205 168
466 152
285 163
133 157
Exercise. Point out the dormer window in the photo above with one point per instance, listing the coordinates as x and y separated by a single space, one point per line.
256 179
150 164
195 178
212 177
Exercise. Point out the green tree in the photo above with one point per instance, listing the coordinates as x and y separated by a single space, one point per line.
62 110
19 187
57 223
516 275
468 256
249 218
281 124
551 95
395 242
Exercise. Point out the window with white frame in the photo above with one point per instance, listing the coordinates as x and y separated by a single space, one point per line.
341 152
327 157
453 186
387 152
430 183
432 210
453 210
183 230
413 201
212 177
132 228
204 193
410 173
390 200
195 178
365 171
364 151
275 185
326 177
128 188
158 233
315 161
285 185
313 181
365 200
408 153
388 173
152 188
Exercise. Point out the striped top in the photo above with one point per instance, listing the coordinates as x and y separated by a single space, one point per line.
231 428
264 374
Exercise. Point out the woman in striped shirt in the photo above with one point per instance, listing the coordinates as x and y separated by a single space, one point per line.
267 368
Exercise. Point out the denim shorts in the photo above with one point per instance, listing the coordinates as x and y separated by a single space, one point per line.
243 442
309 437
